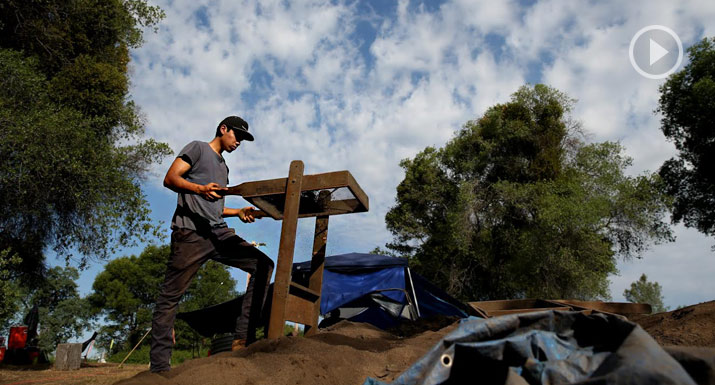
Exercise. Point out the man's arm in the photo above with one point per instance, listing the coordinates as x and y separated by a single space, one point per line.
246 214
174 180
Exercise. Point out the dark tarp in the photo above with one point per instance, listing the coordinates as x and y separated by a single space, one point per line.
215 319
555 347
377 289
377 285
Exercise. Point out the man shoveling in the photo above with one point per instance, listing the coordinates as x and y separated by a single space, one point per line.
199 175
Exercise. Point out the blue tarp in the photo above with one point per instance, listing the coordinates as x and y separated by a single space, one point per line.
549 347
351 277
340 289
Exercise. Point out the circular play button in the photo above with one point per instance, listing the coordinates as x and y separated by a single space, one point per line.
656 51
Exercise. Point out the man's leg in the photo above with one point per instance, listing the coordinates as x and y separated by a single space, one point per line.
235 251
188 252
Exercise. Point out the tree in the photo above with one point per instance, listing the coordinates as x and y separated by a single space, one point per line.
517 206
212 285
63 314
124 294
642 291
125 291
70 137
9 290
687 102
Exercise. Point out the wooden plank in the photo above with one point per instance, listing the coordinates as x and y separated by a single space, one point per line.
358 192
622 308
259 188
68 356
285 250
297 309
495 313
303 292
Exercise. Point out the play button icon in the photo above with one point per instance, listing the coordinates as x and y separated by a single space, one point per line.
656 51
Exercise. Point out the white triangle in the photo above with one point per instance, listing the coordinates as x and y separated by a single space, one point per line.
656 52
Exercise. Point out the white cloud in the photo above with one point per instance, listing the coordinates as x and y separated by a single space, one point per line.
297 71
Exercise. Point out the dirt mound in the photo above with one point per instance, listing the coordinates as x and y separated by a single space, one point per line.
690 326
346 353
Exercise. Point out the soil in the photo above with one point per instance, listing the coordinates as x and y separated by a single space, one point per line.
690 326
102 374
345 353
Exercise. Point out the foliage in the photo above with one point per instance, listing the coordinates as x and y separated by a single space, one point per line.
211 285
687 102
63 314
517 206
9 290
70 138
642 291
124 293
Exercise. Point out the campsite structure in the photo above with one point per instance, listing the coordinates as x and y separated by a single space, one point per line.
287 199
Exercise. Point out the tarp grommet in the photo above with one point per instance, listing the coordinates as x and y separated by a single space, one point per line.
446 360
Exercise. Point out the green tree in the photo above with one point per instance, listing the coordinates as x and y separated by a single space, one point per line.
125 291
9 290
63 314
212 285
70 136
124 294
687 102
517 206
642 291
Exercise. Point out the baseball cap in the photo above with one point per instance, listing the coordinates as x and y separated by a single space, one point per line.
239 126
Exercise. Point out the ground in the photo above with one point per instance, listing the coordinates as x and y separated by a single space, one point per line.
101 374
346 353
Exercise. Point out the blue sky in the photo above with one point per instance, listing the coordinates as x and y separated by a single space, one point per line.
361 85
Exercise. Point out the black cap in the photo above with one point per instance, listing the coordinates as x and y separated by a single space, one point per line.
239 126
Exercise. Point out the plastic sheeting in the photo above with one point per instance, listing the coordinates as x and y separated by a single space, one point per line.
549 347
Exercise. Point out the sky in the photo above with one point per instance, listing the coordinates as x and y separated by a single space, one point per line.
360 85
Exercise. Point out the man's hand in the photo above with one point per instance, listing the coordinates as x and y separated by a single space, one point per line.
210 191
247 214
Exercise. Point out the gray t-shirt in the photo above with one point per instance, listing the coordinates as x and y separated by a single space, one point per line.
193 211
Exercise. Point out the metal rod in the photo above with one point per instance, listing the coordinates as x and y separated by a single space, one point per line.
135 347
412 285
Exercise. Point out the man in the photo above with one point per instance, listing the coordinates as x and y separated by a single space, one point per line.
199 175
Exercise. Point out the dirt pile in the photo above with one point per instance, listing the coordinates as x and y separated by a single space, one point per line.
346 353
690 326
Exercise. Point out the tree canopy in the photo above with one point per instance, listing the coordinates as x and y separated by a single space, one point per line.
70 136
643 291
63 314
687 102
516 205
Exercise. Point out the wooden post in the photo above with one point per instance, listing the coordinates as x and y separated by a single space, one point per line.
317 265
285 249
68 356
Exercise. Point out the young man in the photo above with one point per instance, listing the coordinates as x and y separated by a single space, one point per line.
199 174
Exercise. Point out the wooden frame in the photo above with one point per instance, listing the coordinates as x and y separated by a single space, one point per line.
282 199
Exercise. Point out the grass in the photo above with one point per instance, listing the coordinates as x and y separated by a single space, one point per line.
141 356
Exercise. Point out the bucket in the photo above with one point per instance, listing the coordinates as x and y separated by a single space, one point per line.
18 337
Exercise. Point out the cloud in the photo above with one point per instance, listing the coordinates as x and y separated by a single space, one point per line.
345 85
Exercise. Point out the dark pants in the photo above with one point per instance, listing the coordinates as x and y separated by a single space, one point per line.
189 250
